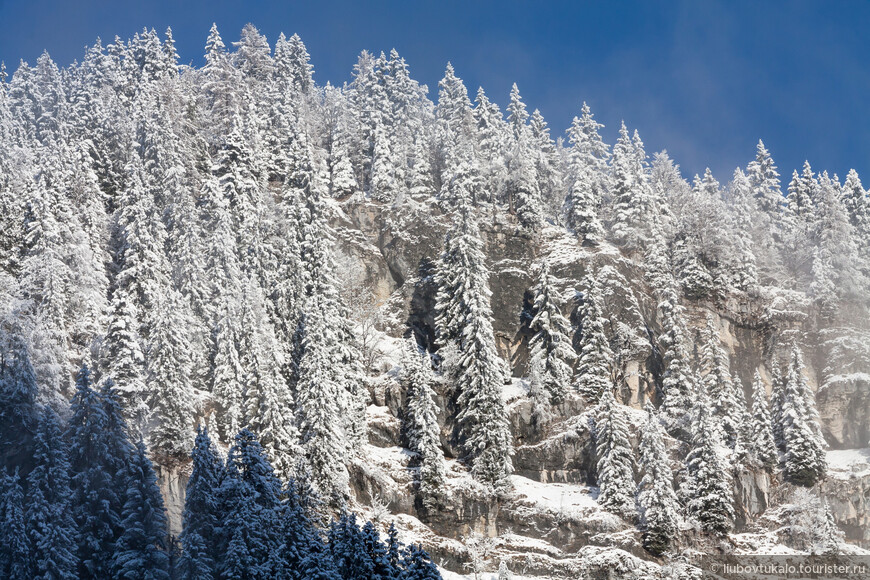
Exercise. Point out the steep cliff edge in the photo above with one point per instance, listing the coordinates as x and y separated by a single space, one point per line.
550 523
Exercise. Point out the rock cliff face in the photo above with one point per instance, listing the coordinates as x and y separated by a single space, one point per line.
551 521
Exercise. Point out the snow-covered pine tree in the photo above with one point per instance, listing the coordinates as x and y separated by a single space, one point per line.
804 460
268 402
707 486
588 177
421 422
777 401
716 378
16 562
523 193
142 545
546 161
550 348
835 265
417 565
762 444
595 359
97 459
801 196
51 529
464 322
249 513
631 197
227 374
764 181
615 466
169 377
493 140
656 498
317 406
741 414
679 380
857 206
454 115
18 389
123 362
200 518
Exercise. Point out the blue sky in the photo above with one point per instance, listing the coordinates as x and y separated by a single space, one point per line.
703 79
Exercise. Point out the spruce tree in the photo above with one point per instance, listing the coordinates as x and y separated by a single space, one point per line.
857 206
593 374
656 499
464 321
718 385
764 181
631 199
417 565
421 423
18 390
777 402
804 460
707 486
52 531
268 401
141 550
615 465
762 444
16 562
550 347
678 382
249 501
123 361
588 177
98 454
169 378
317 393
200 519
743 417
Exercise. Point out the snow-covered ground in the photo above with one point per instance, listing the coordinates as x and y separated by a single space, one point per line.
560 497
849 462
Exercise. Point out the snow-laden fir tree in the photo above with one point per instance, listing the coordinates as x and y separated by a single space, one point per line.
227 374
717 383
317 407
123 361
762 444
804 461
764 181
464 322
588 177
857 205
142 545
421 422
268 403
16 562
51 529
550 347
595 359
742 415
777 402
493 140
417 564
546 160
615 458
657 502
679 380
706 489
249 510
200 518
99 452
631 196
169 378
